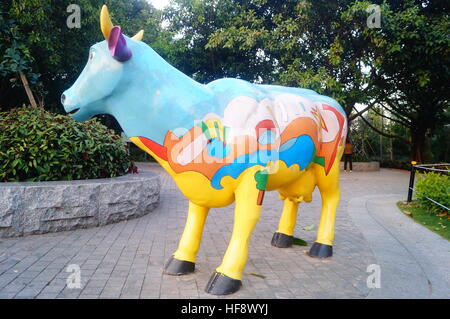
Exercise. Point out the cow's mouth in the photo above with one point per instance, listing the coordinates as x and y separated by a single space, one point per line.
74 111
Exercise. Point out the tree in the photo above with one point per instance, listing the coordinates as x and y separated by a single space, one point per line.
329 47
15 62
410 60
191 25
59 53
309 45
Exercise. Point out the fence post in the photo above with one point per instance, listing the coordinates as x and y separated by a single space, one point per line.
411 181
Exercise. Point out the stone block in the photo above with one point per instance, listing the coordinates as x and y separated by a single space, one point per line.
42 207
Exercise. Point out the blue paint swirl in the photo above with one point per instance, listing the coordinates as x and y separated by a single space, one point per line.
299 150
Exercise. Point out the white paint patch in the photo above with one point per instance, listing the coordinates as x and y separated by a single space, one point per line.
192 150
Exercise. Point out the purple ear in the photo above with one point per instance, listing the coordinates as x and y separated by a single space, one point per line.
118 45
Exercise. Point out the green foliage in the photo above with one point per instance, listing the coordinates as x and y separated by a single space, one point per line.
410 64
327 46
59 53
36 145
15 58
306 43
196 46
435 186
138 155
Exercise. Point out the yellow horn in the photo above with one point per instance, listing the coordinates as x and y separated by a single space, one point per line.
105 22
138 36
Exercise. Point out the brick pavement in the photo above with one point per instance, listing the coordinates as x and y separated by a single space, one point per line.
125 260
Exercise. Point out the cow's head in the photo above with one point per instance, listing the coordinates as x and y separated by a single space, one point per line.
102 73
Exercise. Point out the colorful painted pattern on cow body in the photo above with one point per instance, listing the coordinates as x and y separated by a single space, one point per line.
288 128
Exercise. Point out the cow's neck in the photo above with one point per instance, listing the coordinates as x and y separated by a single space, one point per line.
154 98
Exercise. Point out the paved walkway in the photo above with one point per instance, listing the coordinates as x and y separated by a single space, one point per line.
125 260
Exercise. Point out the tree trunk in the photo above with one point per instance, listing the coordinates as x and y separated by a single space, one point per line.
418 143
24 80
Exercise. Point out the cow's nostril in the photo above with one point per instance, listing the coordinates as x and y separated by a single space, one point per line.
63 98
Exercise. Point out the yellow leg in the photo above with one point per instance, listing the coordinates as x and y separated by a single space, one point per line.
329 191
325 232
192 234
246 216
288 217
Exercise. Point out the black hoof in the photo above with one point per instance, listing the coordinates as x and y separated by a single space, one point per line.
220 284
178 267
320 250
281 240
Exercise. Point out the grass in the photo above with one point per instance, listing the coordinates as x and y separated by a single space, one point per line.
438 222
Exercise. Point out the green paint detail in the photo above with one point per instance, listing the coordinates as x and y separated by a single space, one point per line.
216 126
319 160
261 179
205 130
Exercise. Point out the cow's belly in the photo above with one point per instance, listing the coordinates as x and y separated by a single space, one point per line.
197 188
282 175
301 187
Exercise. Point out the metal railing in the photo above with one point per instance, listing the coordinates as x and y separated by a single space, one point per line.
426 167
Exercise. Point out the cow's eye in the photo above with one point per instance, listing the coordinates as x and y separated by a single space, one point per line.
91 56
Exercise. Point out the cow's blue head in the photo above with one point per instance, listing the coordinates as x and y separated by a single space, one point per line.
102 73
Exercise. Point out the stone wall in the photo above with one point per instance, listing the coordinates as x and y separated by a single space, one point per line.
42 207
363 166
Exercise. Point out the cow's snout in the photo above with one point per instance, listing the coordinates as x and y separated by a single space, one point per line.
69 106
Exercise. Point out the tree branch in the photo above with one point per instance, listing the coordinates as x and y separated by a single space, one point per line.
24 80
401 122
384 134
351 118
396 111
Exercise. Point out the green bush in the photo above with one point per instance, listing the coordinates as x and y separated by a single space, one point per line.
435 186
36 145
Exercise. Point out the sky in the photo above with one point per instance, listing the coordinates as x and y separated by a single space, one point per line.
159 4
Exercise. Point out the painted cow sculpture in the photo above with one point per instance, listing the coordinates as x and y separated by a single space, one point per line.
229 140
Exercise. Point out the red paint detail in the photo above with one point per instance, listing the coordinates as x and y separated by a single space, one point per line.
158 149
260 198
340 119
324 125
263 126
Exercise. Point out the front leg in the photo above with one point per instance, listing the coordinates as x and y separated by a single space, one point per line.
228 276
183 260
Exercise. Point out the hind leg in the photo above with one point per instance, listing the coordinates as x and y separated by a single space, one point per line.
294 193
283 237
329 191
